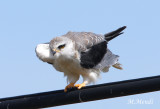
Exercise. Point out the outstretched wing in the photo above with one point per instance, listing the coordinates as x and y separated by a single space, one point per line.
43 52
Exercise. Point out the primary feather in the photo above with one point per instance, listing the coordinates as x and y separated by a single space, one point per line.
80 53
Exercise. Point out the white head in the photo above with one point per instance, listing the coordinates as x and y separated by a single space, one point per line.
62 46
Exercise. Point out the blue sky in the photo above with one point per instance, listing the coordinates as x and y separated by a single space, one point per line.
24 24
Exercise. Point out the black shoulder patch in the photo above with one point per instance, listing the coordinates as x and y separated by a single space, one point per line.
95 54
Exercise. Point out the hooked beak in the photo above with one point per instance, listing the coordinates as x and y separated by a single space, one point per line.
54 51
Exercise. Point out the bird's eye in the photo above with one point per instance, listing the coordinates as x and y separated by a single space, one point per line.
61 46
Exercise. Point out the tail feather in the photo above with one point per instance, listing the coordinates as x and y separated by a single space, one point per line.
109 36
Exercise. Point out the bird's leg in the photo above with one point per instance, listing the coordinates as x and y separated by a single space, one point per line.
79 86
69 86
118 66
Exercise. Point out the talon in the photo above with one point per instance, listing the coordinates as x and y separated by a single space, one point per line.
118 66
69 86
79 86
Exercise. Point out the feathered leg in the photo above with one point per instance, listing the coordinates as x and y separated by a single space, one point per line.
72 79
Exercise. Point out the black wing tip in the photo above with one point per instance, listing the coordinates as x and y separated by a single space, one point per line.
111 35
123 27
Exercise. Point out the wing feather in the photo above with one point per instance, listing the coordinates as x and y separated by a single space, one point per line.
108 60
84 40
92 47
43 52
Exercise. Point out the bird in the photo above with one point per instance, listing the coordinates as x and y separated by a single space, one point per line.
84 54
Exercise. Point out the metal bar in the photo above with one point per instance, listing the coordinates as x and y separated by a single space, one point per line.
90 93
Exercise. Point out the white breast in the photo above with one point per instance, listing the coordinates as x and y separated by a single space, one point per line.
67 64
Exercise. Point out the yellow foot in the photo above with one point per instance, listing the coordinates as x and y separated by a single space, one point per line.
69 86
79 86
118 66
